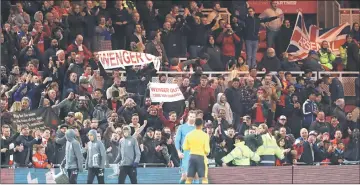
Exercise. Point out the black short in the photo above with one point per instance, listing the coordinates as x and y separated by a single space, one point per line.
197 165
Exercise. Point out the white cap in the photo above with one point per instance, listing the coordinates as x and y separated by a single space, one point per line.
282 117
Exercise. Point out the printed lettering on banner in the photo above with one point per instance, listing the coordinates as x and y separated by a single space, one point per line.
122 58
164 92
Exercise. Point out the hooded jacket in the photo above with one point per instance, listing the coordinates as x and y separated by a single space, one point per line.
96 154
214 61
218 105
60 144
73 156
129 151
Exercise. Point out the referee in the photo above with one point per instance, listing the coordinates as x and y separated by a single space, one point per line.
198 143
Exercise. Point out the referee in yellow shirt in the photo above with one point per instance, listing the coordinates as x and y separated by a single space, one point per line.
198 143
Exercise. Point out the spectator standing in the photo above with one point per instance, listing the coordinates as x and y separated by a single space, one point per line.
310 110
283 37
339 112
200 30
90 17
60 144
232 93
227 39
273 27
128 157
103 34
204 96
336 88
23 158
150 17
355 32
251 31
156 48
214 15
76 22
120 18
214 53
351 51
6 141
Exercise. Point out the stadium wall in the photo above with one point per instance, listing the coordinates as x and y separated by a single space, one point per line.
340 174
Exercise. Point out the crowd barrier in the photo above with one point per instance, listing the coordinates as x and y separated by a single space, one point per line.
299 174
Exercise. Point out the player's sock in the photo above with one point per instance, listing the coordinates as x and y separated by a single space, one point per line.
182 181
196 181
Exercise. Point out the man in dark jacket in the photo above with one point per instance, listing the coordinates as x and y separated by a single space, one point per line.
23 158
60 142
335 87
251 31
90 24
51 51
282 42
232 96
269 62
353 57
199 33
6 141
339 112
150 17
173 39
120 18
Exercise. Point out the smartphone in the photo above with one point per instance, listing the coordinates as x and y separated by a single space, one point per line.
50 78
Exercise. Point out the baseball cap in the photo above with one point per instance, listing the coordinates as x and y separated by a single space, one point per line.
313 133
282 117
150 129
71 114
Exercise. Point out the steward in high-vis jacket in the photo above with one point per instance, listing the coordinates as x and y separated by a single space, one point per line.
326 56
269 149
241 154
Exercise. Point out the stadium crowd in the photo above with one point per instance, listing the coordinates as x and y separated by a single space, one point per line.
49 59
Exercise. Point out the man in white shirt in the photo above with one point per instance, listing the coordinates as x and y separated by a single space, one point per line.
272 27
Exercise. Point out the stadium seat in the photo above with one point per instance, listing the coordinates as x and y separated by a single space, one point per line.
349 108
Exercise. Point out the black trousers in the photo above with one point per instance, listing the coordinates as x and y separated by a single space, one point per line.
98 172
127 171
73 174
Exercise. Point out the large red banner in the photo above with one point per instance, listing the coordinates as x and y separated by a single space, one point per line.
291 7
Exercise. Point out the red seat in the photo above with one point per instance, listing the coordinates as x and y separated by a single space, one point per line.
349 108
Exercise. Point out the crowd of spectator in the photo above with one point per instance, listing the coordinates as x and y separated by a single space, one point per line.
49 59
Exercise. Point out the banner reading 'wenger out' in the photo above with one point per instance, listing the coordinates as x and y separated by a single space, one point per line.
163 92
122 58
304 40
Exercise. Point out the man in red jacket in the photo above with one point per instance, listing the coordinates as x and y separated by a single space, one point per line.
78 47
227 39
204 97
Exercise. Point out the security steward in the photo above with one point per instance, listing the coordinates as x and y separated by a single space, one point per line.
241 154
269 150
